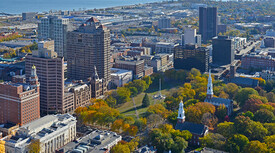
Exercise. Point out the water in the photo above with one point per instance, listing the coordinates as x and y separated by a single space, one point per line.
19 6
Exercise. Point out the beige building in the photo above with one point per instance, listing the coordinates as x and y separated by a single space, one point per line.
50 71
89 46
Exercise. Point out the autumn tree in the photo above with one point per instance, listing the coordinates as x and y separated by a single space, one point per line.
243 95
256 147
145 101
213 140
210 120
237 143
226 129
111 101
123 94
221 112
34 146
252 105
264 116
158 109
194 113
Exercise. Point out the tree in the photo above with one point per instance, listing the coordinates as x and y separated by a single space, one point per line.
237 143
221 112
120 148
213 140
243 95
226 129
158 109
194 113
256 147
134 91
252 105
270 128
270 141
123 95
253 130
190 102
145 101
111 101
248 114
172 118
34 146
263 99
264 116
209 120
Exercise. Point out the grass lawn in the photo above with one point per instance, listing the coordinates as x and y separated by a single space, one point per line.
128 108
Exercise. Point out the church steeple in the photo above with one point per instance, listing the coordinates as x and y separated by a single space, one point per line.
181 114
209 87
95 75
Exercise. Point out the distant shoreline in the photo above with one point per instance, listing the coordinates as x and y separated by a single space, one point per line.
38 9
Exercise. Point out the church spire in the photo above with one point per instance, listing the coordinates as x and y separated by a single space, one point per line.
181 114
209 86
95 76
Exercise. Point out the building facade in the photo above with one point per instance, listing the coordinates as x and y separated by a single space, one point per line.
19 100
50 71
191 56
208 24
55 28
89 46
134 65
223 50
190 36
257 61
165 48
119 77
51 131
164 23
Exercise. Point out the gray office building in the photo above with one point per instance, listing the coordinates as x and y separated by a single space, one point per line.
223 50
208 23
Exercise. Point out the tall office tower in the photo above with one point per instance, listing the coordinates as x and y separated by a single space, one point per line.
55 28
191 56
89 46
50 72
164 23
208 23
223 50
190 36
19 100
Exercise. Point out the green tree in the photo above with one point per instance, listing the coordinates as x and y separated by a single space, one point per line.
270 128
248 114
243 95
264 116
256 147
111 101
145 101
226 129
123 94
213 140
134 91
263 99
270 141
237 143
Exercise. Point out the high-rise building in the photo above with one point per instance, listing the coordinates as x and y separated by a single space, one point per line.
50 71
89 46
55 28
223 50
190 36
208 23
19 100
164 23
191 56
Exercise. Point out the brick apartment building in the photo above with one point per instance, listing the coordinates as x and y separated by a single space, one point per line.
258 62
19 101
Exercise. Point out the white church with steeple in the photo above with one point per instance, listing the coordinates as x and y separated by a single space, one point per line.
197 130
228 103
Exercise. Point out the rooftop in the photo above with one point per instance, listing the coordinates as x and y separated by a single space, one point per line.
194 128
